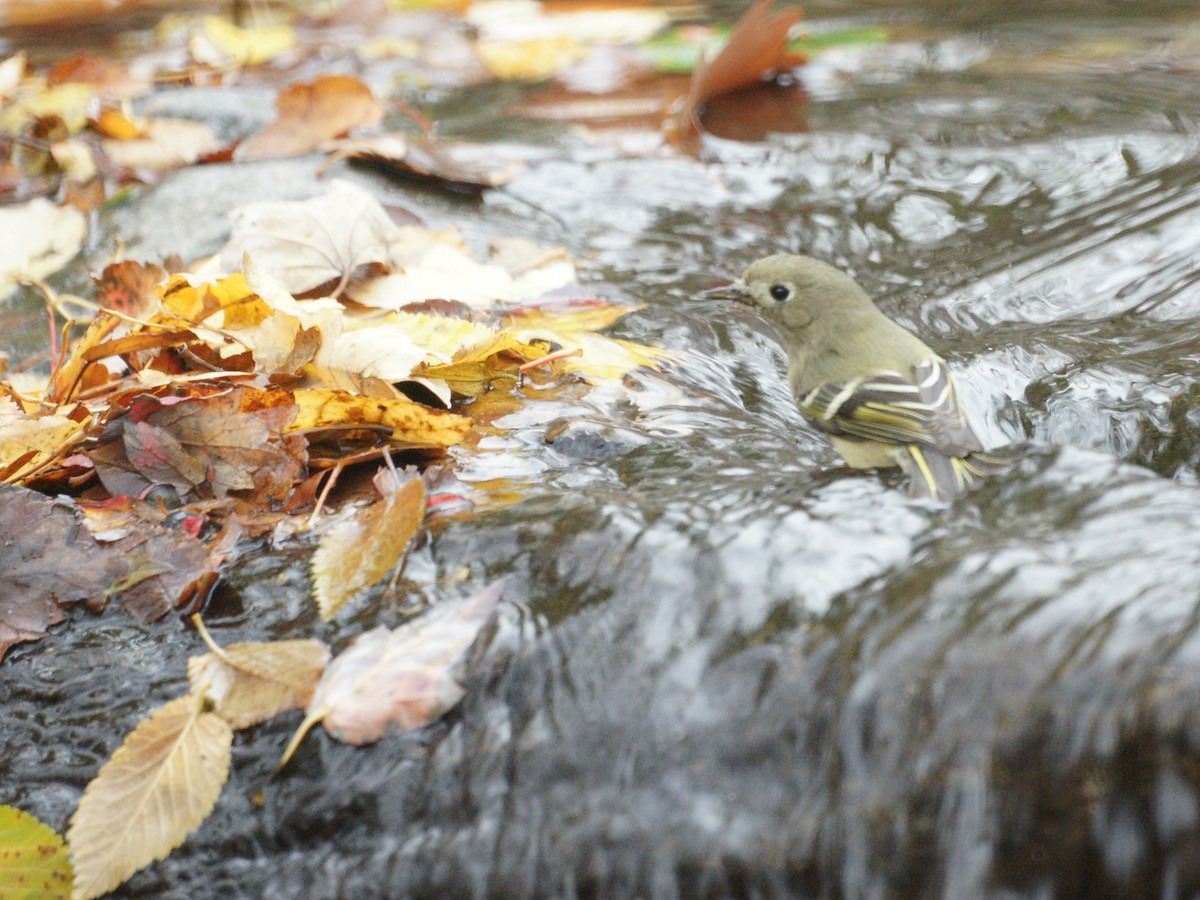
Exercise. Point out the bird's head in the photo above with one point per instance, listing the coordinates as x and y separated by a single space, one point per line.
793 291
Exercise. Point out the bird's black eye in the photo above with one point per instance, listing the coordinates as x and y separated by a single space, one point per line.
780 292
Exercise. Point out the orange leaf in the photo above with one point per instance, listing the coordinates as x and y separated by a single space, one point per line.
312 113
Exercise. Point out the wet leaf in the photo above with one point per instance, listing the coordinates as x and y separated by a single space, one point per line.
33 859
757 47
49 560
248 683
455 163
312 113
412 424
39 239
393 680
222 43
357 552
157 788
310 243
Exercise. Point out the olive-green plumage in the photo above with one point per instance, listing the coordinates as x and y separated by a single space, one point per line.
883 397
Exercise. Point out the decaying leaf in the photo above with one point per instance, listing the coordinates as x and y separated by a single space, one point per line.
357 552
393 680
312 113
39 239
157 788
49 560
33 859
250 682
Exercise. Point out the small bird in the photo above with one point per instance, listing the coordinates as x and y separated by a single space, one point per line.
883 397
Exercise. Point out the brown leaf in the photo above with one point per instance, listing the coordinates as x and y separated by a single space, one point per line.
312 113
390 681
231 441
756 48
48 560
157 788
128 287
250 682
454 163
357 552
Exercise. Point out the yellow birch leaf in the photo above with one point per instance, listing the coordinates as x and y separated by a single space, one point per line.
530 60
357 552
602 359
412 424
33 860
250 682
157 788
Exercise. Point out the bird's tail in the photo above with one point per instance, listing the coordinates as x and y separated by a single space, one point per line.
935 476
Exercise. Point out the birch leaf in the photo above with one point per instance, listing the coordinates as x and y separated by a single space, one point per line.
33 860
356 553
412 424
250 682
157 788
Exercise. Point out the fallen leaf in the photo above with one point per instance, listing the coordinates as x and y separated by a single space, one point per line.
157 788
358 551
390 681
28 442
49 560
757 47
532 60
167 144
110 79
223 43
250 682
455 163
33 859
312 113
411 424
39 239
306 244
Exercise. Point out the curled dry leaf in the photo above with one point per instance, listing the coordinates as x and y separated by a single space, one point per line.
311 114
29 441
393 680
33 859
248 683
454 163
757 47
357 552
157 788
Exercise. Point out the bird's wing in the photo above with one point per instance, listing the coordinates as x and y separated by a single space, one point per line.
920 408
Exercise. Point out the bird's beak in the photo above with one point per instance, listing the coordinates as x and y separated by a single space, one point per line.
736 291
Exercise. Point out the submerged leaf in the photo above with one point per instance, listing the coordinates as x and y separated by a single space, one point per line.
157 788
33 859
357 552
393 680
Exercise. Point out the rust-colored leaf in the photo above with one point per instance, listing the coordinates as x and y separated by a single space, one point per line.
312 113
157 788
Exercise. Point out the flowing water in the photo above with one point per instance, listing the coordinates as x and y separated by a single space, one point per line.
725 665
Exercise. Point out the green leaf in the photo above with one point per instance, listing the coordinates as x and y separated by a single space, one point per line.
33 859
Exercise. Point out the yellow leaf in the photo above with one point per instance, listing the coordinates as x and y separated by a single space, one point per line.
601 358
248 46
530 60
157 788
231 295
357 552
28 441
33 861
250 682
412 424
69 102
